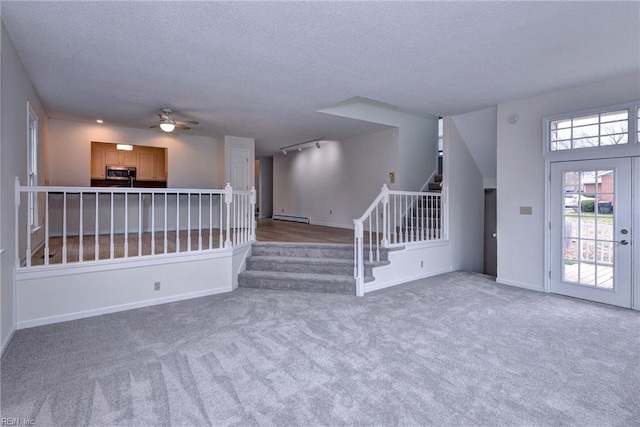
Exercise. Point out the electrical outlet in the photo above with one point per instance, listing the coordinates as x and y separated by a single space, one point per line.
330 211
421 264
282 210
156 286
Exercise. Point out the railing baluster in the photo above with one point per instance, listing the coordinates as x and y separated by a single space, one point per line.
64 227
140 224
377 236
189 222
228 198
111 245
153 224
166 237
46 228
80 231
210 220
177 222
126 225
370 242
220 219
96 235
199 221
29 216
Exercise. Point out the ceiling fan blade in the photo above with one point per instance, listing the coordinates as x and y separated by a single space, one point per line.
187 122
181 126
154 126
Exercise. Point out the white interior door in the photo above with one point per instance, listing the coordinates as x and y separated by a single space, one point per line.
240 172
591 230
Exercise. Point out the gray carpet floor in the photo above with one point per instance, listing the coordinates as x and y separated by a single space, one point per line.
456 349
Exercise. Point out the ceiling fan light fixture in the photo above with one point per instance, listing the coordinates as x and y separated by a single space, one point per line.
167 126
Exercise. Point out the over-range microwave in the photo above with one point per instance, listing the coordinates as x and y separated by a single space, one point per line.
121 172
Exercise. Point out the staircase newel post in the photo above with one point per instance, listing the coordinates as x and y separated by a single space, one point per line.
228 198
253 213
358 257
385 209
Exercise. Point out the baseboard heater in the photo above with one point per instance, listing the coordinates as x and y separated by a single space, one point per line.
302 219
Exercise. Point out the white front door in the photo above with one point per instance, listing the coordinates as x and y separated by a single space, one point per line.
591 230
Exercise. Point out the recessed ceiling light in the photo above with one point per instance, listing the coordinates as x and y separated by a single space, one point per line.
100 121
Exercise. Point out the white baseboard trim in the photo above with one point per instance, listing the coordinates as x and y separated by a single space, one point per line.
374 286
116 308
6 342
520 285
332 224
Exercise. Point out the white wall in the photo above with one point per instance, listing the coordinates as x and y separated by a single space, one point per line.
334 185
465 196
191 160
16 92
478 130
417 147
60 295
521 173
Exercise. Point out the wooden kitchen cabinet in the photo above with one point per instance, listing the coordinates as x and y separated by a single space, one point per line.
120 157
97 162
150 162
151 165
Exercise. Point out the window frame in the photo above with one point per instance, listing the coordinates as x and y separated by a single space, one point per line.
597 151
32 166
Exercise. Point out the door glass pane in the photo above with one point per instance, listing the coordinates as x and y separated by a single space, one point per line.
588 236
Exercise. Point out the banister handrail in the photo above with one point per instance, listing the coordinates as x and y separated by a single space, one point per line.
373 205
414 193
135 190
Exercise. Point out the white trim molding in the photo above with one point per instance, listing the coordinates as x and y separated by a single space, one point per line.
522 285
116 308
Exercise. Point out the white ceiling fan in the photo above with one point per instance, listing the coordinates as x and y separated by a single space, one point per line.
168 123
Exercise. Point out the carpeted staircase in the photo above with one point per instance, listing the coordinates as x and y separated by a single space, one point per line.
308 267
435 186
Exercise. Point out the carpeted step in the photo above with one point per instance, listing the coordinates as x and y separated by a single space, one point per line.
331 266
305 282
437 178
308 250
434 187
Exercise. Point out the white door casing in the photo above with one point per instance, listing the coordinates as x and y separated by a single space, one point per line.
587 258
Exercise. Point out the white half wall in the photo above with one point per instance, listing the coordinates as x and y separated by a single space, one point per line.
64 294
191 160
334 185
17 91
521 173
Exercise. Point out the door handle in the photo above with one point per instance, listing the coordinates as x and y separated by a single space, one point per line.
622 242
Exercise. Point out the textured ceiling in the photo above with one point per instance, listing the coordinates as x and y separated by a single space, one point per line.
263 69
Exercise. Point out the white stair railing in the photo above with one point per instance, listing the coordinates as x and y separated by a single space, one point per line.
85 224
406 217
